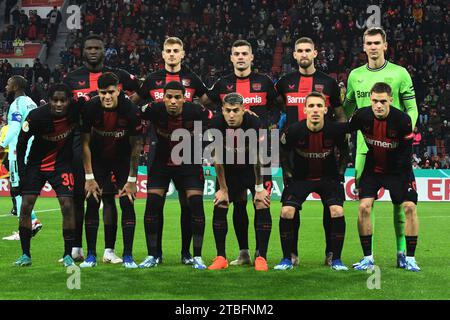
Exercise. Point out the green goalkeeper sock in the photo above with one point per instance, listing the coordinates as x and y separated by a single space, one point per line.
399 225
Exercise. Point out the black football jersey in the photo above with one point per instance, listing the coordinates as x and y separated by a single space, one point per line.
294 87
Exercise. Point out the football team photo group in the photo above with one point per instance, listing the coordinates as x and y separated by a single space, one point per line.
101 129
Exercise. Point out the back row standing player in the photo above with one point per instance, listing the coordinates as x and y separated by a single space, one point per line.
360 82
259 96
153 89
293 88
83 82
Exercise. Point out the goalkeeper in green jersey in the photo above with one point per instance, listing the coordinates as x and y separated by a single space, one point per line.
359 83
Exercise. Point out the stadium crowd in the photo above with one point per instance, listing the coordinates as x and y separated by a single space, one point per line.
417 33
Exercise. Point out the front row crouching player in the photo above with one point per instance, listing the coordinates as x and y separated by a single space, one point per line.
50 159
111 144
236 177
174 114
313 142
388 135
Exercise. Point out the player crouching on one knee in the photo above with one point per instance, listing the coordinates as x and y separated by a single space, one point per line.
313 142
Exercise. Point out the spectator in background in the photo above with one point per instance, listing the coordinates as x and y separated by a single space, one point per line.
435 122
423 114
430 141
416 141
444 98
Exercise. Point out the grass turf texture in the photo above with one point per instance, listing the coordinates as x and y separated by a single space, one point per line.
46 279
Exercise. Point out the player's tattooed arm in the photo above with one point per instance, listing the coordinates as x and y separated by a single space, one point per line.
91 187
130 188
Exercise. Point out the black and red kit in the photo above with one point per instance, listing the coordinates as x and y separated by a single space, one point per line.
314 163
153 86
239 176
257 90
388 160
164 168
294 87
51 152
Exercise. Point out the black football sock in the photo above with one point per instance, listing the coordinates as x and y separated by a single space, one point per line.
160 234
327 227
366 244
69 238
186 228
337 236
128 225
255 225
25 237
91 225
14 203
295 231
110 221
286 236
198 223
78 202
411 243
263 229
220 229
240 223
153 209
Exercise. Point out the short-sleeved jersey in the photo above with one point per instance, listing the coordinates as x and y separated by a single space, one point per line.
389 140
166 124
257 90
361 81
236 142
294 87
153 86
314 152
111 129
53 138
18 112
84 82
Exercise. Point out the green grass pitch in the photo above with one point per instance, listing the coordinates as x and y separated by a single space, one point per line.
46 279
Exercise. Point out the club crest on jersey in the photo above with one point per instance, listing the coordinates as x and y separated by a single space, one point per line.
256 86
158 83
186 82
318 87
291 86
229 87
